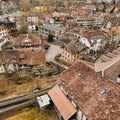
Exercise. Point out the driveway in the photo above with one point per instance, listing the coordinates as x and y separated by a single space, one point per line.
52 52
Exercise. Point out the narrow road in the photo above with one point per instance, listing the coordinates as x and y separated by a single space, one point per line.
62 65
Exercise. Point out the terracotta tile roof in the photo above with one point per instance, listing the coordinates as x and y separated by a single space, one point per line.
90 34
80 11
113 71
114 20
105 61
75 47
33 14
26 37
79 30
64 106
32 57
84 86
113 31
19 18
8 57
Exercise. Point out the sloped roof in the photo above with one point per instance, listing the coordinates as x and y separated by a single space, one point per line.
32 56
113 71
64 106
114 20
23 37
85 90
107 60
75 47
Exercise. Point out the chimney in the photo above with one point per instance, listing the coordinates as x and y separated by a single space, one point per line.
118 79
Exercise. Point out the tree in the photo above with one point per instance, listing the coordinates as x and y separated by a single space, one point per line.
1 12
23 29
50 38
6 60
7 45
97 10
104 9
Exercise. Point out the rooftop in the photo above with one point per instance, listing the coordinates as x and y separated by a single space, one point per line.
85 91
75 47
32 56
26 37
64 106
52 27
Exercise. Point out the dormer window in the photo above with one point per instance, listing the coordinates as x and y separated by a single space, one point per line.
27 42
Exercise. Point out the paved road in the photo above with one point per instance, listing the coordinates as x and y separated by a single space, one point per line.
62 65
52 52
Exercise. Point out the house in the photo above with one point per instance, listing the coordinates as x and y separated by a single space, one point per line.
24 41
85 21
3 31
64 107
12 60
78 32
61 13
113 33
110 22
80 11
31 28
92 96
33 17
55 30
20 21
31 57
94 39
72 51
109 65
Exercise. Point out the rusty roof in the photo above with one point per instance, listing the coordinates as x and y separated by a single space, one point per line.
64 106
86 89
35 40
74 47
113 71
32 56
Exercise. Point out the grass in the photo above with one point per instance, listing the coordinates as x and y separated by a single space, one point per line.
13 89
35 114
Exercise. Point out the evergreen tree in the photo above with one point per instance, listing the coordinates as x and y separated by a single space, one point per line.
50 38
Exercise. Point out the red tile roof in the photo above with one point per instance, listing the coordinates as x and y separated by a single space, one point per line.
113 71
23 37
32 57
85 91
64 106
74 47
114 20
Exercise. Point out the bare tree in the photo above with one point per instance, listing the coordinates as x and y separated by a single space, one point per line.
7 59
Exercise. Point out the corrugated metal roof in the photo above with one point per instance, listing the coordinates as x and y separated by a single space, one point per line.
63 105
